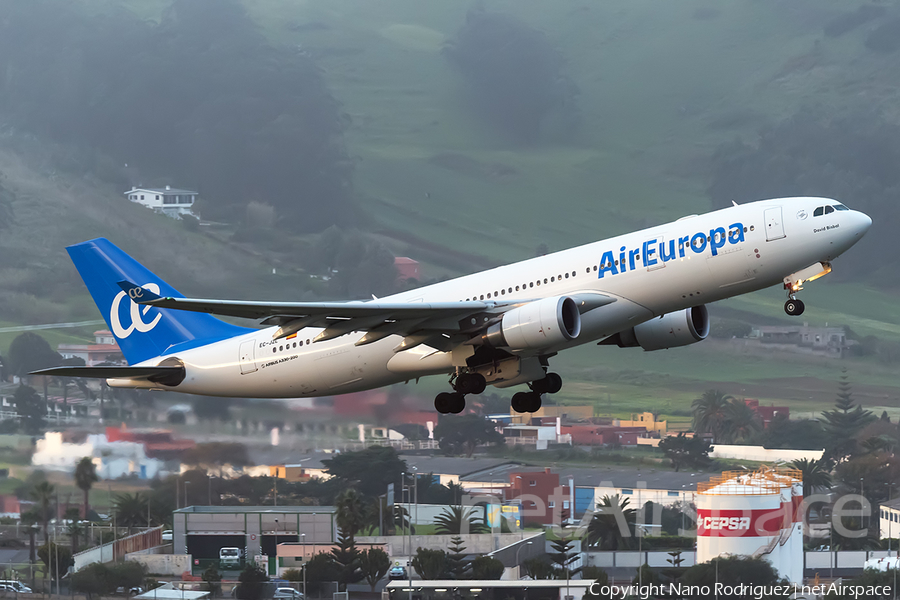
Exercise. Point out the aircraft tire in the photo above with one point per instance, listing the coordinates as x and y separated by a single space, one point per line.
457 403
471 383
519 402
443 402
533 402
554 383
794 307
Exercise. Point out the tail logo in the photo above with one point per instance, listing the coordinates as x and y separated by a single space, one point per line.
137 322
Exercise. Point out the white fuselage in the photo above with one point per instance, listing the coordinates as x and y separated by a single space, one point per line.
662 273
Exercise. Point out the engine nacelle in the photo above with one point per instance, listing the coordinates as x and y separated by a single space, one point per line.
536 325
680 328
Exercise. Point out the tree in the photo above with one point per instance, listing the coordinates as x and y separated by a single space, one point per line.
430 564
131 510
844 422
56 558
30 519
487 567
320 569
741 421
733 569
127 574
563 557
710 413
31 408
455 520
346 558
30 352
74 528
251 583
686 451
815 475
538 568
374 564
457 565
43 495
85 478
93 580
369 470
217 455
350 515
612 525
213 579
461 435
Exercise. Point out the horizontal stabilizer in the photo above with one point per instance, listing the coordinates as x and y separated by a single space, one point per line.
168 375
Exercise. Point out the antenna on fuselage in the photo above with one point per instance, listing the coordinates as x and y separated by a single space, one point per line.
733 203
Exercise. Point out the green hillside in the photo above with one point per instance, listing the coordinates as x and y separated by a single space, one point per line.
661 86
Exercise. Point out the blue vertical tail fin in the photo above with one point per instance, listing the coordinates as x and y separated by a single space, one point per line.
142 332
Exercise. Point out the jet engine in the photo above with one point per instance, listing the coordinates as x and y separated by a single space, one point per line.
671 330
536 325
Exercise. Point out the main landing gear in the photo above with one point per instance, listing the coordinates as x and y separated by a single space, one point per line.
531 401
455 402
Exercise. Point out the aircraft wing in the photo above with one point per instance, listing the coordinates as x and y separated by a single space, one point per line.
440 325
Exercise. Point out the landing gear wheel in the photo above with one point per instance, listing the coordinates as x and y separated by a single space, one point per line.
554 383
443 402
470 383
458 403
533 402
519 402
794 307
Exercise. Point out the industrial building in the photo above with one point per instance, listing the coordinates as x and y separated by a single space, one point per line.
753 513
202 531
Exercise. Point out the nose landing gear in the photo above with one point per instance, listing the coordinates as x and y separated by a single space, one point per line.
794 307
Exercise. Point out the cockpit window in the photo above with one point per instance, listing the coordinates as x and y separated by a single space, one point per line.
819 211
829 210
840 207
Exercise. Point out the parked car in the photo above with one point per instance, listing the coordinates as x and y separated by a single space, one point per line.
397 572
131 592
167 535
11 585
287 593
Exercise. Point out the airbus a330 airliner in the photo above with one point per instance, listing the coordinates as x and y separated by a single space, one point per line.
498 327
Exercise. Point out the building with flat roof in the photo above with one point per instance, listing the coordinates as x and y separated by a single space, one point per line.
169 201
202 531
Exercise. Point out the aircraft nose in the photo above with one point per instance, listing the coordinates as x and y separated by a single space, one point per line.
861 223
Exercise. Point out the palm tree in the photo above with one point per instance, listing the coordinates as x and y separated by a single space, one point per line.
710 412
815 475
131 510
455 519
741 421
612 526
85 478
43 494
350 511
74 528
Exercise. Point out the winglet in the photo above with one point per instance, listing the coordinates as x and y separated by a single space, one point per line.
140 295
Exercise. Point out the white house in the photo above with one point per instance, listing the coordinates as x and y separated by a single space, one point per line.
112 459
169 201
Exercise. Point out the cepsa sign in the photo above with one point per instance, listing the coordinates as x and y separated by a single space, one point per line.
740 523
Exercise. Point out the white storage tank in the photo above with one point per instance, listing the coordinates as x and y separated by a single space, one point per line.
752 513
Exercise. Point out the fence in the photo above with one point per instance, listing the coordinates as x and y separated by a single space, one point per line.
118 549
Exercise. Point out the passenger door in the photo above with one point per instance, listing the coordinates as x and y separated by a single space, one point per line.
248 364
774 224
